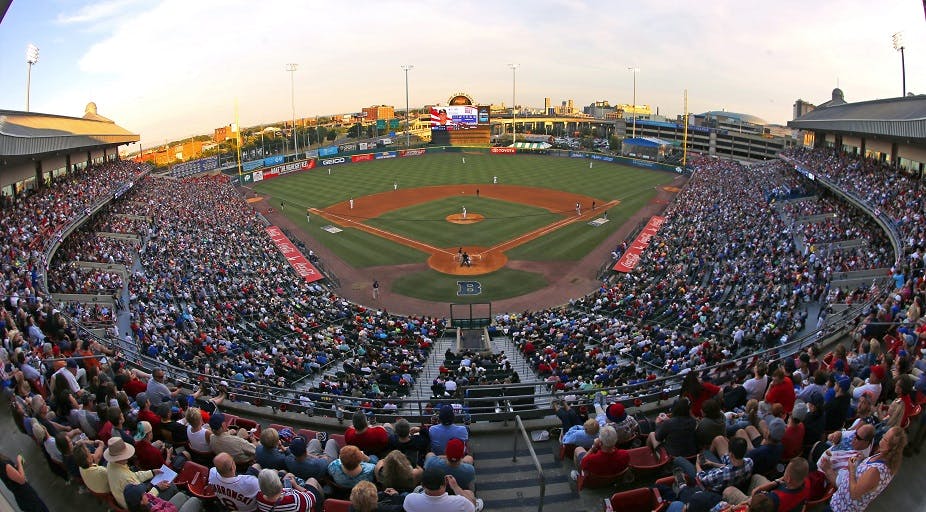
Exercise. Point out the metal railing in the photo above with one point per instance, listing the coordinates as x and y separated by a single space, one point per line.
520 431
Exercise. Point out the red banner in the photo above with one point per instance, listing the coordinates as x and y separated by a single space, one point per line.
299 263
503 151
362 158
630 258
412 152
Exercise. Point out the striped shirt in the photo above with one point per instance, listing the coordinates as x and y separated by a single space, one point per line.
290 500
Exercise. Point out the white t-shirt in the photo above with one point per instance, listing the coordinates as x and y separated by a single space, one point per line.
235 493
420 502
755 388
857 393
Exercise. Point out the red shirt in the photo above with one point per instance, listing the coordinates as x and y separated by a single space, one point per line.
373 440
793 441
708 391
605 463
781 394
147 455
134 387
150 417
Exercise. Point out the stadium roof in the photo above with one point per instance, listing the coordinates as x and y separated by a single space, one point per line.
899 118
743 118
31 134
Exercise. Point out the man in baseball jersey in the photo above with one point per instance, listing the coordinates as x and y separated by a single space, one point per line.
274 497
235 492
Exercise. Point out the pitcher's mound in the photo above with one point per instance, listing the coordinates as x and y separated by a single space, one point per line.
481 262
471 218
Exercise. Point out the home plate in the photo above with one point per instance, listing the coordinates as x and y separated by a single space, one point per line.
598 222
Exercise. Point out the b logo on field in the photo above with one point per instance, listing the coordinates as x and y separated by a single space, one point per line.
469 288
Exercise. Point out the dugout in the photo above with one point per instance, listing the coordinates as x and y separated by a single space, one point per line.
647 148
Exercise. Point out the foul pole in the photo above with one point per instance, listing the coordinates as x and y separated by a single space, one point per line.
685 133
238 140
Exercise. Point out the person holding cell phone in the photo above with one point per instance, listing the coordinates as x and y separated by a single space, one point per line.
14 478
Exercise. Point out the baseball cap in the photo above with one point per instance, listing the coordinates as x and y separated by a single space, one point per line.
816 399
297 446
217 420
455 449
776 429
844 383
878 371
800 411
446 414
143 428
615 412
72 363
141 398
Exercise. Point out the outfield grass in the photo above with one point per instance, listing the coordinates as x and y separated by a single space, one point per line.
437 287
634 187
425 222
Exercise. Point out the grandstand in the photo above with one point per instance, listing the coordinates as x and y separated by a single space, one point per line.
752 264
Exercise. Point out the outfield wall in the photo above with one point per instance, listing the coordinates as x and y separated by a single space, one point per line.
268 173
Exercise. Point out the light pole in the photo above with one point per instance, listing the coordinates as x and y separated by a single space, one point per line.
634 70
32 56
405 68
292 99
898 45
514 102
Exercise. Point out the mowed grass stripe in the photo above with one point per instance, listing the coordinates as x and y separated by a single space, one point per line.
357 248
317 188
437 287
426 222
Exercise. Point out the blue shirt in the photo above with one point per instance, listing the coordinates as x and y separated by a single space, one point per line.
342 480
576 435
463 472
269 459
441 434
309 467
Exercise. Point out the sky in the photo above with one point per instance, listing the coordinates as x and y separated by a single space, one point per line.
169 69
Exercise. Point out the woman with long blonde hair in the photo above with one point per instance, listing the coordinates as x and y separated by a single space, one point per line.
863 480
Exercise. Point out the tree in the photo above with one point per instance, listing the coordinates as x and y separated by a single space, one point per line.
331 135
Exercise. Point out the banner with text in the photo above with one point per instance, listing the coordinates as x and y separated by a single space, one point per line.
299 262
362 158
335 160
503 151
386 154
328 151
412 152
630 258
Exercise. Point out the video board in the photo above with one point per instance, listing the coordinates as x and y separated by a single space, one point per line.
454 117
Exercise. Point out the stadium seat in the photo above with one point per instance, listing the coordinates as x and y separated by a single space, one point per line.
308 434
566 451
594 481
642 499
198 480
643 460
333 505
278 427
339 438
108 500
246 424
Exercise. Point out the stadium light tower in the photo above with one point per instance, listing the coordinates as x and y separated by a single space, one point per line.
292 100
406 68
634 70
514 82
32 56
898 45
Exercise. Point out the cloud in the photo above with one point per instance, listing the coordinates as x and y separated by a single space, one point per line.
94 12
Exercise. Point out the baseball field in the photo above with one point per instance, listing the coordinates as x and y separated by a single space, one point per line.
407 222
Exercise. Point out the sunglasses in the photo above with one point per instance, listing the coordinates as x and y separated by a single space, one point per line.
864 440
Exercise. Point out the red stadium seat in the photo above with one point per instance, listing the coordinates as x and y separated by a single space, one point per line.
308 434
339 438
566 451
333 505
643 499
594 481
642 459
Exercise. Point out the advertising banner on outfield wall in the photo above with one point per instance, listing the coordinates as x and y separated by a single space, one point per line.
386 154
347 148
311 154
300 264
328 151
273 160
363 145
301 165
603 158
412 152
362 158
253 164
335 160
578 155
503 151
631 258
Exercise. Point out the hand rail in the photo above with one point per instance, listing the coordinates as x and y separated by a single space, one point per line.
530 448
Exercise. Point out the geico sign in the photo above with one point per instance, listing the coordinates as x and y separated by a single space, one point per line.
503 151
331 161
